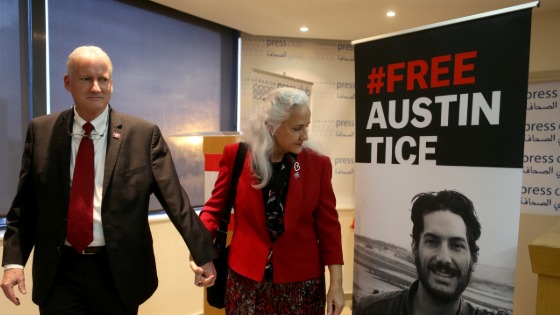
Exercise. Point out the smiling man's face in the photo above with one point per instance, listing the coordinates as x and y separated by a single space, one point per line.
442 257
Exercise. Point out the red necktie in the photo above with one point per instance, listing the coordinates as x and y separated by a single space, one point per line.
80 211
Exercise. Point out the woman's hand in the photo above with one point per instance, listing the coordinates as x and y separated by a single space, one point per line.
335 294
205 275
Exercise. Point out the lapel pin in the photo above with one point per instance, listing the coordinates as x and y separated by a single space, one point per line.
116 135
296 168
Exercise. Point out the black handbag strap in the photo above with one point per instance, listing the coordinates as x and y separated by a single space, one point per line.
221 236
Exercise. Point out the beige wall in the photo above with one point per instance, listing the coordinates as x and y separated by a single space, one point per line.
545 46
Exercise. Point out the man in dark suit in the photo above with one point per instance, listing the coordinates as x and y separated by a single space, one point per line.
113 271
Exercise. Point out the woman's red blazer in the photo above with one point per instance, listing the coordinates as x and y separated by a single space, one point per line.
312 235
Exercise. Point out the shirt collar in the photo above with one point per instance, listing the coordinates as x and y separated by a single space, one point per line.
99 123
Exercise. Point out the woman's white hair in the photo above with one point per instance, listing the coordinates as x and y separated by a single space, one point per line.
276 107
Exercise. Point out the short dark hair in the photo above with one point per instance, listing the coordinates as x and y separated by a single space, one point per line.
453 201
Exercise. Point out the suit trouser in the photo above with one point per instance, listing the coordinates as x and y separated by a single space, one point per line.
84 285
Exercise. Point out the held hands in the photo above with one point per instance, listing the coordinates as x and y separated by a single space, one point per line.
205 275
13 277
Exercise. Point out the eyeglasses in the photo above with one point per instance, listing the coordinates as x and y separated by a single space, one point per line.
93 135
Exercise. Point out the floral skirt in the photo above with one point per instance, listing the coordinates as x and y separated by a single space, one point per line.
248 297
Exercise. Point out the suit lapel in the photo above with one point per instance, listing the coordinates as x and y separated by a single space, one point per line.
115 135
63 141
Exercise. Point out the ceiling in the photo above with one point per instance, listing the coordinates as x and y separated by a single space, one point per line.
338 19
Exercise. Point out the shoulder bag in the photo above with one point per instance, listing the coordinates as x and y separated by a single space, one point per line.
215 295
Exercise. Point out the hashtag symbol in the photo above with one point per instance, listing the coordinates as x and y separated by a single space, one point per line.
376 80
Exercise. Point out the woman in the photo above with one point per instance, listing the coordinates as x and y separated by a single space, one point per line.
286 226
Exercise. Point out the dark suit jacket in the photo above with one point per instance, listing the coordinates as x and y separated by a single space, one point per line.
312 235
138 163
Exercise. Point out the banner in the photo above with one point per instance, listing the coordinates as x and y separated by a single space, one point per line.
440 118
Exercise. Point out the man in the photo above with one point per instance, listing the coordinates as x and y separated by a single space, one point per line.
107 264
444 234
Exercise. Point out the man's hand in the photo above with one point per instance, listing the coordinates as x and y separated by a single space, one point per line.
13 277
205 275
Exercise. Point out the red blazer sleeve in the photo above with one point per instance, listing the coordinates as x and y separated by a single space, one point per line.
326 219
